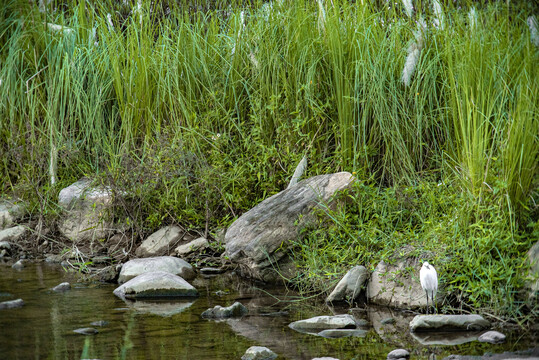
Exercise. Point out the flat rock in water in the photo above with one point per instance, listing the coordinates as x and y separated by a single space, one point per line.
219 312
318 323
86 331
170 264
530 354
350 286
258 353
11 304
160 242
62 287
259 240
398 354
158 284
448 322
340 333
493 337
324 358
446 338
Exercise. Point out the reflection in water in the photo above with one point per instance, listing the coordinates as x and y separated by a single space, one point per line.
43 327
445 338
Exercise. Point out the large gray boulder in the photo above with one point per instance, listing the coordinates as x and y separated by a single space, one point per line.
533 274
13 234
86 211
153 285
318 323
350 286
395 286
449 323
170 264
258 241
160 242
10 211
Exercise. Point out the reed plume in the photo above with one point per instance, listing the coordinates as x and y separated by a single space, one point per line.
414 51
408 8
439 15
472 17
534 34
321 17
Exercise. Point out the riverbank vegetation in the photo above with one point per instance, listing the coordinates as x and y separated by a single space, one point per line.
196 112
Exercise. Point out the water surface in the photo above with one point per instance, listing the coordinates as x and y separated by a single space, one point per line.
43 327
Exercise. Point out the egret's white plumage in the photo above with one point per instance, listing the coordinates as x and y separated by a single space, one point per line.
429 282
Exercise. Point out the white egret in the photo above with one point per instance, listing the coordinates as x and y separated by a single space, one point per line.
429 282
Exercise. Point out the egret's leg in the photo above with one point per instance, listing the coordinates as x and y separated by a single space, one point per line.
434 302
427 293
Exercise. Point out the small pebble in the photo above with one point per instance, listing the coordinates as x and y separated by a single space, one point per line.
11 304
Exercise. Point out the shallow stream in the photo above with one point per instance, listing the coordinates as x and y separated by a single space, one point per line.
43 327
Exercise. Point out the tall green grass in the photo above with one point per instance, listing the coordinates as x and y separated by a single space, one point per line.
201 112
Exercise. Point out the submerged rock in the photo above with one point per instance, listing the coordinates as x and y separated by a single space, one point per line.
398 354
340 333
258 241
86 331
258 353
100 323
492 337
448 322
350 286
62 287
157 284
159 308
86 211
11 304
160 242
168 264
318 323
219 312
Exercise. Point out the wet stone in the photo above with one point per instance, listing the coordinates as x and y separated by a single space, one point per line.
340 333
100 323
492 337
11 304
65 286
324 358
388 321
398 354
324 322
219 312
259 353
86 331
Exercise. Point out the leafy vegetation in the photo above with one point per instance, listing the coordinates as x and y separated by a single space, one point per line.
199 111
